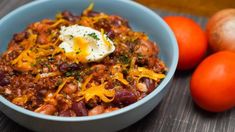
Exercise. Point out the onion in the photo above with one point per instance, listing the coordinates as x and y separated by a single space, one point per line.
220 30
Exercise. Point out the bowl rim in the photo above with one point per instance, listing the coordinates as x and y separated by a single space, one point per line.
162 85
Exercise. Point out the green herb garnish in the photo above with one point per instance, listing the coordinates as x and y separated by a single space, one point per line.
48 66
58 82
124 59
70 37
69 73
94 36
33 64
140 56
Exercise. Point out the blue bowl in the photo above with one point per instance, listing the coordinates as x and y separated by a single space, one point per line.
139 17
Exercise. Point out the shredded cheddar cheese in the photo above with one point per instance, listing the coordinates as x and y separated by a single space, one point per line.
26 59
88 79
45 75
62 85
96 91
133 60
32 51
116 73
60 21
104 38
141 72
20 100
119 77
90 21
89 8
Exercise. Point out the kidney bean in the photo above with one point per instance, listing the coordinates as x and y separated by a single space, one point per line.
74 66
111 34
4 82
96 110
118 21
110 85
92 13
150 84
79 108
68 16
64 67
103 23
3 79
2 75
20 36
124 97
47 109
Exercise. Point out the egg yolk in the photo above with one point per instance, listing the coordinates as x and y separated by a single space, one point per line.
80 50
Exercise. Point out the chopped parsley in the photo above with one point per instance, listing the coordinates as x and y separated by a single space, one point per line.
68 73
70 37
124 59
58 82
94 36
74 73
48 66
33 64
79 78
140 56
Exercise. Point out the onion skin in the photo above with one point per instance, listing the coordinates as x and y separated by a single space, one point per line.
220 31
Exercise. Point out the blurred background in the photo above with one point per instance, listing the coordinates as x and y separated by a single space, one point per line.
195 7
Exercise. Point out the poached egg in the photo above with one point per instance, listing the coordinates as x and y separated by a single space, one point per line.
84 44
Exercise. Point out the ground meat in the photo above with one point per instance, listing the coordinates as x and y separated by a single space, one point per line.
3 79
19 37
103 24
69 16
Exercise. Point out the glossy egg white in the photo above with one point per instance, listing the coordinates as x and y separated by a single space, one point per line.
97 48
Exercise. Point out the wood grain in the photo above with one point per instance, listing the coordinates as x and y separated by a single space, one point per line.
176 113
199 7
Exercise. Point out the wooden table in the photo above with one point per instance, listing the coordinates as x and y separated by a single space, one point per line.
176 113
198 7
